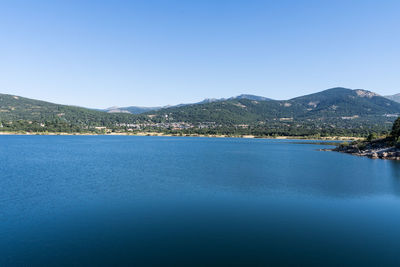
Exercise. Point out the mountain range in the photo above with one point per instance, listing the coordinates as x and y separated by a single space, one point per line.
331 110
395 97
140 110
335 106
131 109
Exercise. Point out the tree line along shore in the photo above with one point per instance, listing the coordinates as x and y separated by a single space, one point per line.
266 131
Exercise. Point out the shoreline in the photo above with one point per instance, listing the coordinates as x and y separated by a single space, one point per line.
388 153
376 149
328 138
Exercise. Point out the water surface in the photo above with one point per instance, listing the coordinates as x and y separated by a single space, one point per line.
122 200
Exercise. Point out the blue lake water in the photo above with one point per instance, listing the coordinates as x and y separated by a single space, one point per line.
120 200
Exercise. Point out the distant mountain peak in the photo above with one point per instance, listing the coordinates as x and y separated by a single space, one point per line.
112 108
211 100
331 92
242 96
252 97
132 109
395 97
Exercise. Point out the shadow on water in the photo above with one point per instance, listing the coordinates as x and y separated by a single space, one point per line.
395 170
395 166
212 232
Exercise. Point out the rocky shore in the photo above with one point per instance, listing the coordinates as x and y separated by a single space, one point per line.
376 149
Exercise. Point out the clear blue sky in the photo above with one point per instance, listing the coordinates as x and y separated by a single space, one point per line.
148 53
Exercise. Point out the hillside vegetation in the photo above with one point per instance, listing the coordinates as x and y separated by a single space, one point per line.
336 111
19 113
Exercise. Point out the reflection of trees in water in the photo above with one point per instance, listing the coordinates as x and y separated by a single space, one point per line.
395 167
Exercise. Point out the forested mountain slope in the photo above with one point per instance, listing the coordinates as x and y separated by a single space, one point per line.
333 104
14 108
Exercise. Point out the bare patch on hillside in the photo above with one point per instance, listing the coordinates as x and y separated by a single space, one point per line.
363 93
239 105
